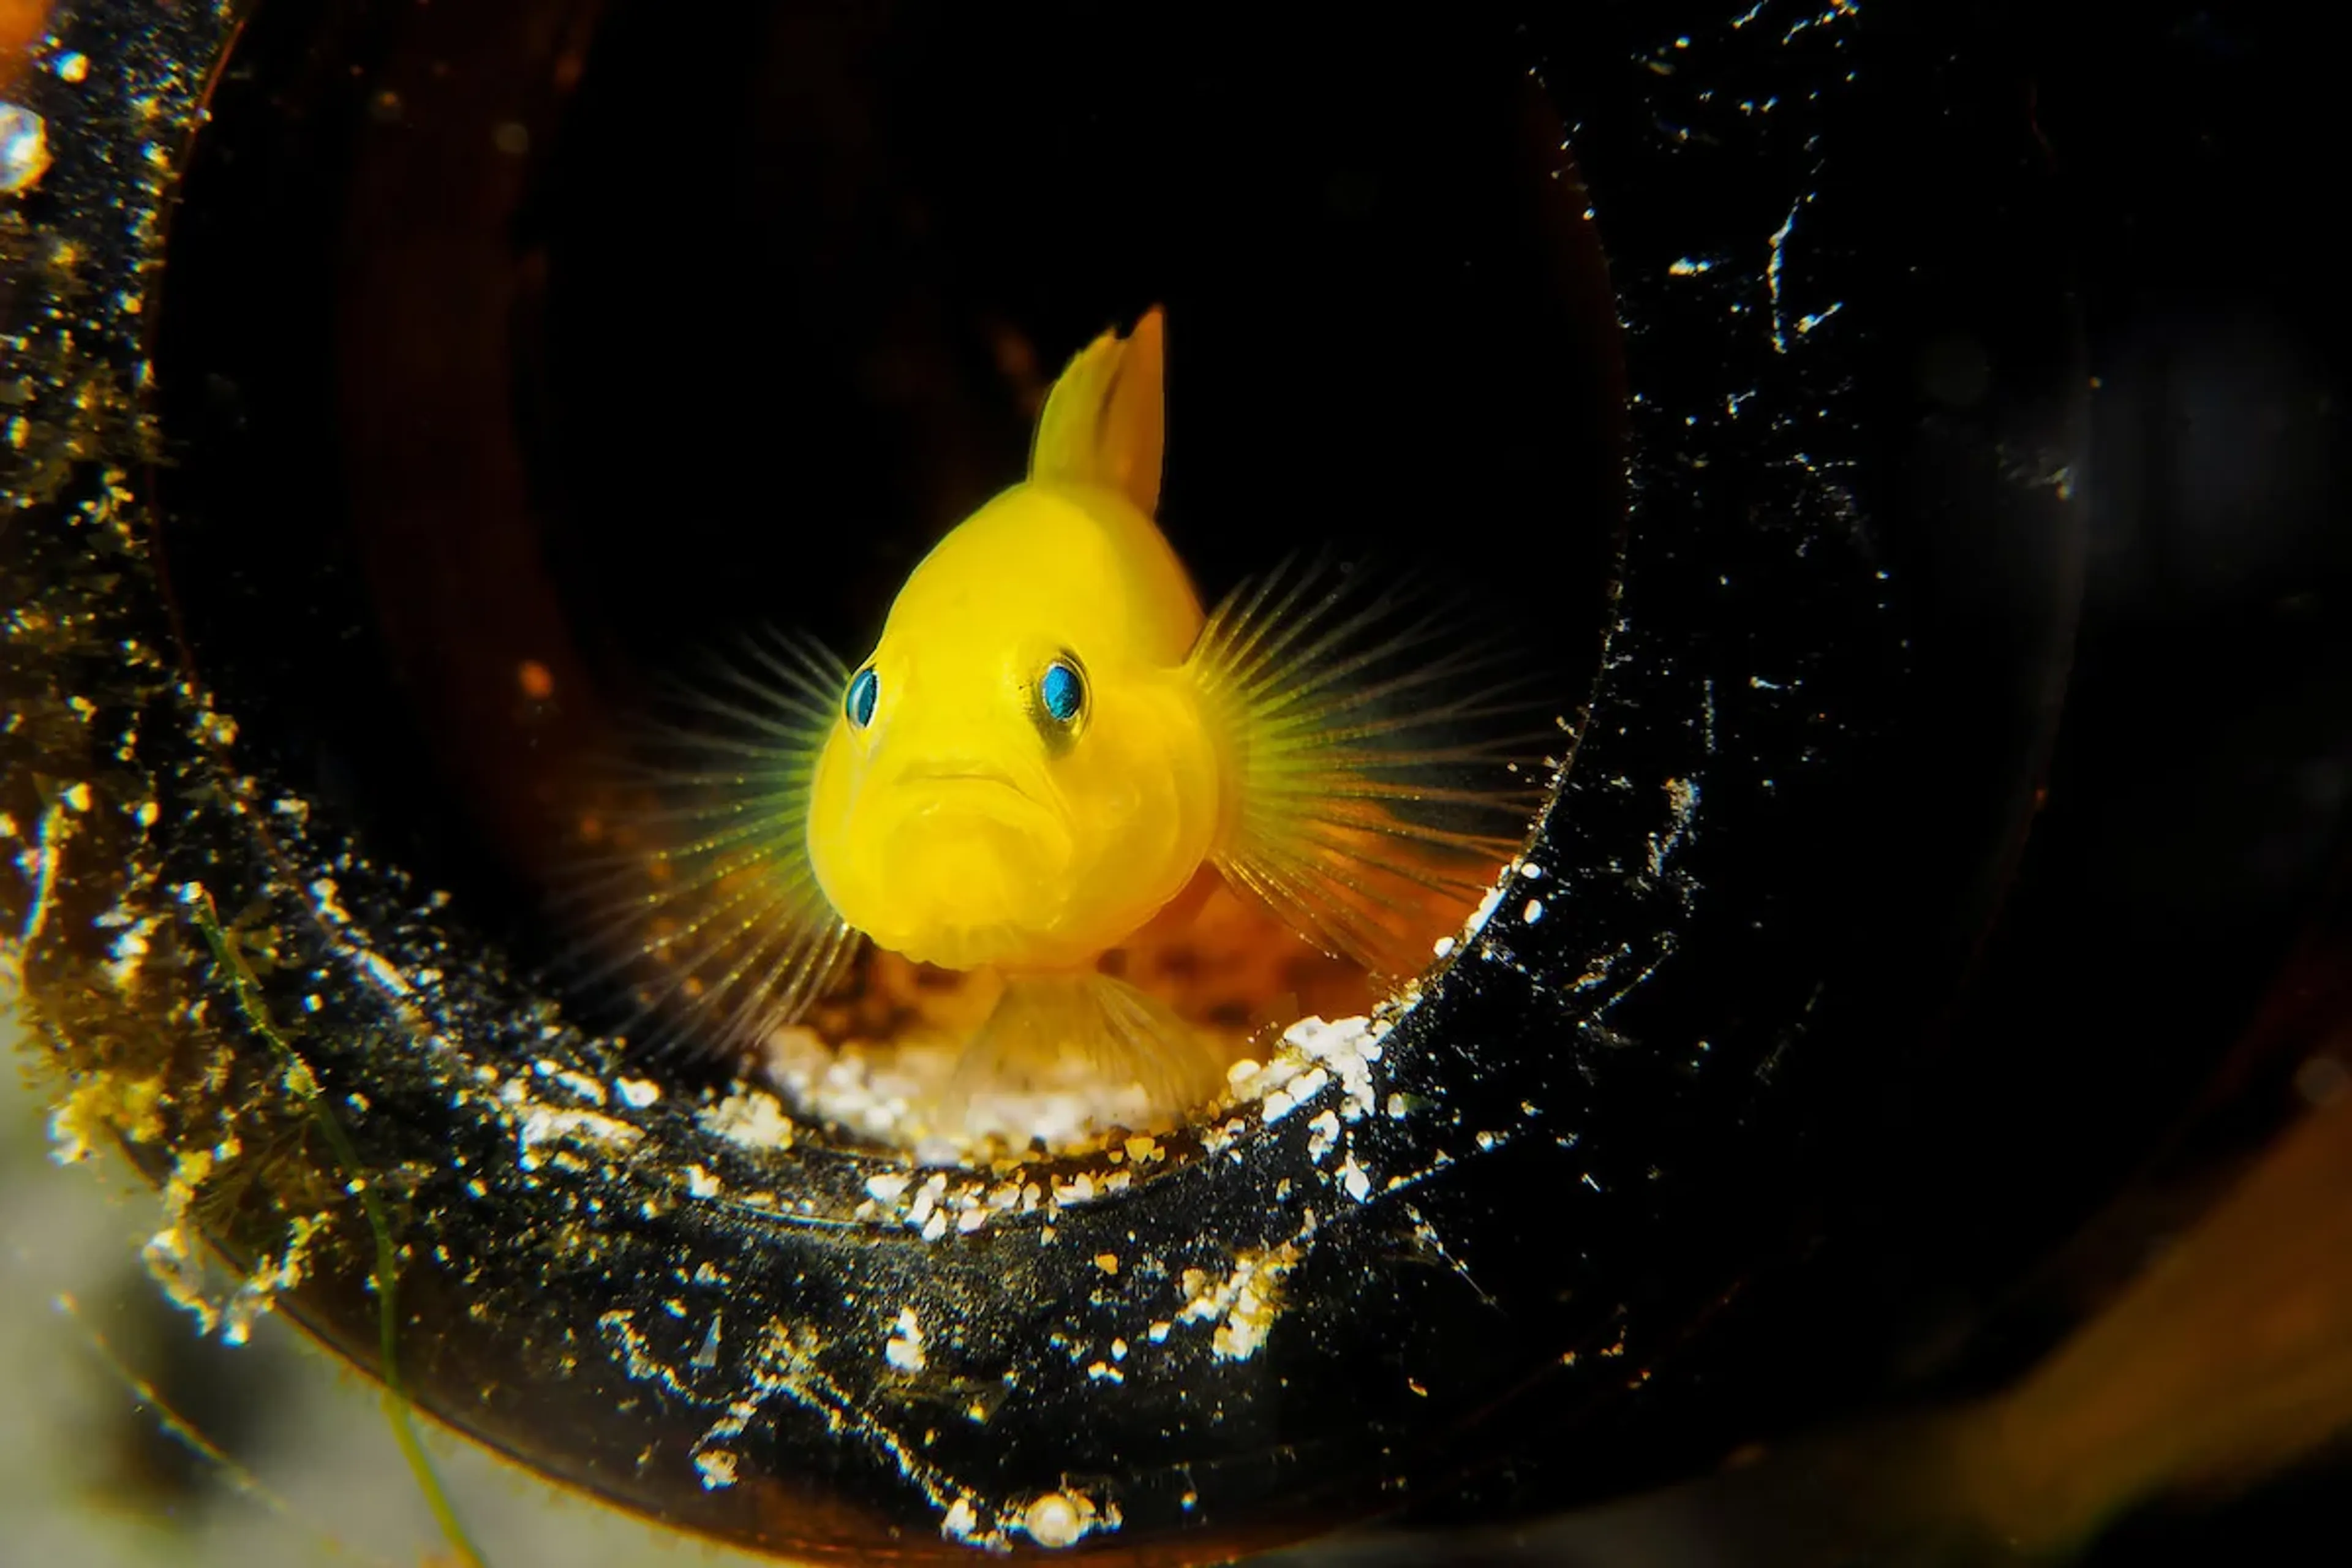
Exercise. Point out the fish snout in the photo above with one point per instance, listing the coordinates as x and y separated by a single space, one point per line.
944 791
957 862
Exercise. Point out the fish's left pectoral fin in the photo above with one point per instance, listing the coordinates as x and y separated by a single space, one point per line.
1104 421
1390 755
711 918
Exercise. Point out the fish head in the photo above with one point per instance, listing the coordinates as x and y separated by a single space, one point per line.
1019 776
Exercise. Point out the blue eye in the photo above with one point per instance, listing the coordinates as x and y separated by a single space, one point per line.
1061 692
864 688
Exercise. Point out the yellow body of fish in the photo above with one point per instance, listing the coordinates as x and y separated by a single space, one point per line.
964 823
1050 740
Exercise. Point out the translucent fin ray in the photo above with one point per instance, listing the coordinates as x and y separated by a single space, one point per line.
1390 758
708 911
1118 1035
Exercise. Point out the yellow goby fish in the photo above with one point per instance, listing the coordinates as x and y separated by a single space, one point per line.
1051 739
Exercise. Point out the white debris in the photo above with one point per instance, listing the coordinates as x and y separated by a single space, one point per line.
1244 1304
718 1467
891 1093
542 1124
1059 1519
962 1522
1321 1133
904 1348
24 148
753 1119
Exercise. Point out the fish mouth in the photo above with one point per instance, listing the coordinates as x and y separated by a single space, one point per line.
959 774
953 789
975 838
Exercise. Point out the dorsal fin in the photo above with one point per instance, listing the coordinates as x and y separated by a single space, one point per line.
1105 419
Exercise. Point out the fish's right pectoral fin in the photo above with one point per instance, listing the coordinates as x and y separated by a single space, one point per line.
1105 420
